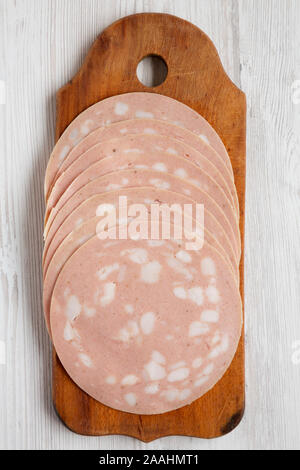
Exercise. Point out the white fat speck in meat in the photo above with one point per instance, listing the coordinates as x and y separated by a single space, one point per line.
111 380
147 323
187 192
183 256
104 272
180 268
74 134
221 348
85 359
184 394
68 332
156 243
195 294
201 381
210 316
64 152
144 115
180 293
212 294
170 395
78 223
133 150
109 294
67 292
150 272
172 151
130 331
169 337
178 375
196 183
160 184
181 173
155 371
149 130
122 273
208 369
151 389
130 379
216 338
136 255
198 329
121 108
129 309
159 166
141 167
85 128
131 399
197 362
113 187
208 267
89 311
177 365
73 308
204 138
158 357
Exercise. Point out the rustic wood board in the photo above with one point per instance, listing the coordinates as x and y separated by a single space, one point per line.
195 77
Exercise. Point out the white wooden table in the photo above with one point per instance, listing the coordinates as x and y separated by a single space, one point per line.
42 44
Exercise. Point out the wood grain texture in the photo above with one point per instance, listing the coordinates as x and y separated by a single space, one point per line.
42 46
196 78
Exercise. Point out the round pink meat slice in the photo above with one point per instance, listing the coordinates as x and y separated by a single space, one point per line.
207 189
82 234
140 183
148 126
131 106
137 334
143 147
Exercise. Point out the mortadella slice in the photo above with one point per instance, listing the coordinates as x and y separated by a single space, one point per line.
82 234
145 327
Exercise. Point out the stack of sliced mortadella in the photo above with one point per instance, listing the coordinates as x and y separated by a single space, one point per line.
142 324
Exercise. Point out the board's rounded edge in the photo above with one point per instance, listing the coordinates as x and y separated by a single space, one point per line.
81 432
124 19
233 422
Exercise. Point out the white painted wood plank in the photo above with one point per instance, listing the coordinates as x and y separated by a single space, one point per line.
269 48
42 45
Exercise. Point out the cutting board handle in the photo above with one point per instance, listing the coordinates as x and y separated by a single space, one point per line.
194 66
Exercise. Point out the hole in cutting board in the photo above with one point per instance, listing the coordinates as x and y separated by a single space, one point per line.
152 70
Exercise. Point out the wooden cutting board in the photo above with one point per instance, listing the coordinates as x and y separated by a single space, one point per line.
195 77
